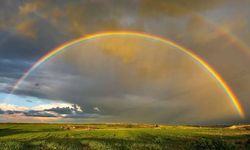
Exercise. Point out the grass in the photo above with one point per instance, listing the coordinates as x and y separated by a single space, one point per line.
120 136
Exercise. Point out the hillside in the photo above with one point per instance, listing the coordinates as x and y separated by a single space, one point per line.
120 136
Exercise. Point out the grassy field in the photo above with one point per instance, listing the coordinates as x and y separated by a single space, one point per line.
120 136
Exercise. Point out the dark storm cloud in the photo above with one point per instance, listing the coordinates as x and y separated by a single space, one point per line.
54 112
39 114
1 111
30 28
81 17
17 53
130 84
176 7
58 112
64 110
10 112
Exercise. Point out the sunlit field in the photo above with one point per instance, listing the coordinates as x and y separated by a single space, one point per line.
121 136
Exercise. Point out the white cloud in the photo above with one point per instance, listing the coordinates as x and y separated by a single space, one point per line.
52 105
96 109
6 107
11 107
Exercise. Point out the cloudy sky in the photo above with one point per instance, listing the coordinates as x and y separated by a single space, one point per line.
124 78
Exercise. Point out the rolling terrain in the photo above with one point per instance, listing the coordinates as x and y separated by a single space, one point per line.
121 136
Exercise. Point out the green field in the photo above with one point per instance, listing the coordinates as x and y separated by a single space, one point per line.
120 136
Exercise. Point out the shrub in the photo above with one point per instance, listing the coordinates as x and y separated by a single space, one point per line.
211 144
12 145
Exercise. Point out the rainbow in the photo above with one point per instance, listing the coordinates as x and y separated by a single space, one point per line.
227 34
213 73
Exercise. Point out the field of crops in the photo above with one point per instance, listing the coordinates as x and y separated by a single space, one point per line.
120 136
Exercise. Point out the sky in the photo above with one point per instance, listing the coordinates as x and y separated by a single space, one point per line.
124 78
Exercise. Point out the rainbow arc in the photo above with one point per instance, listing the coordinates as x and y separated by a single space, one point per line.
198 59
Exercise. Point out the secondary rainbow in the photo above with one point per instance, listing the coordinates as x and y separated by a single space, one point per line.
213 73
226 33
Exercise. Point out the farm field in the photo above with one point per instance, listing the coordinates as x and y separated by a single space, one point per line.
121 136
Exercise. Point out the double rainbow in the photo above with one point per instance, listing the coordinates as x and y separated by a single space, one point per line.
213 73
226 33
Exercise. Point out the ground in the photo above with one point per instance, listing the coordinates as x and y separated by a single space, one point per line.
121 136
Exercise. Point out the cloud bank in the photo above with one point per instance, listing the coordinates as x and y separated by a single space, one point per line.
55 112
